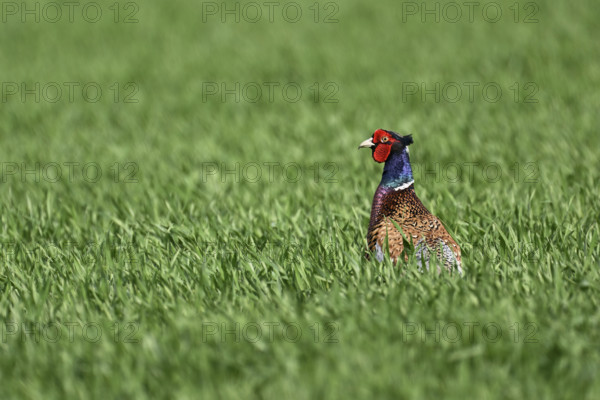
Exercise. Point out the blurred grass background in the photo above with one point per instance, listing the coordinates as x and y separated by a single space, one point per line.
158 256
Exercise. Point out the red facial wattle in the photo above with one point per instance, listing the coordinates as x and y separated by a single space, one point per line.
382 151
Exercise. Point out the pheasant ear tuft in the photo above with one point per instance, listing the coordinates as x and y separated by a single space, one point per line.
407 140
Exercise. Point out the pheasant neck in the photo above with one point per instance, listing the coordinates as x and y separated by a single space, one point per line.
397 172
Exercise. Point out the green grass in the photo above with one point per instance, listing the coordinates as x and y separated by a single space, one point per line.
176 258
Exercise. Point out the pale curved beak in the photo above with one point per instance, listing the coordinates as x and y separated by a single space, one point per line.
366 143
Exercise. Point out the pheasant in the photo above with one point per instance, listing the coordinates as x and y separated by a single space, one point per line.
395 205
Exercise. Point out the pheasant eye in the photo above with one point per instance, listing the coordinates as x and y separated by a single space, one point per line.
384 139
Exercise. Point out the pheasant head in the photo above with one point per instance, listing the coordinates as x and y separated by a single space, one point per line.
392 149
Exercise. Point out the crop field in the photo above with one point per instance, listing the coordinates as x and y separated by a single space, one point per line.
184 208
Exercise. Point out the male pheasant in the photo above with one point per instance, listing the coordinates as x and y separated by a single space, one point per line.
396 205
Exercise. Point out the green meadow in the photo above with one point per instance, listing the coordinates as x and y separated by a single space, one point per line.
184 208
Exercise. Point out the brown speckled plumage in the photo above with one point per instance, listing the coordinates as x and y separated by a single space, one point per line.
418 225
